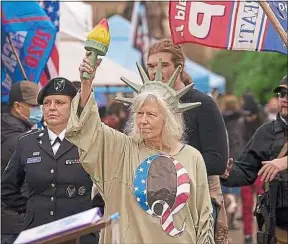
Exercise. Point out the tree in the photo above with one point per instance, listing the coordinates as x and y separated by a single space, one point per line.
258 72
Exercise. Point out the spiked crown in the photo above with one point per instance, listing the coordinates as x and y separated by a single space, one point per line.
165 90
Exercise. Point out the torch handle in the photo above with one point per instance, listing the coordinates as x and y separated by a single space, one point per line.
93 58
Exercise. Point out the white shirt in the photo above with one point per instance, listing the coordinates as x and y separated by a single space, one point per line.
53 136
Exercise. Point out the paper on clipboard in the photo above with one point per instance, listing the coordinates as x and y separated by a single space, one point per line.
59 226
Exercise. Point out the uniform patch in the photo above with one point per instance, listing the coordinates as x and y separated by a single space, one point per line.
36 153
59 85
71 191
81 190
72 161
34 160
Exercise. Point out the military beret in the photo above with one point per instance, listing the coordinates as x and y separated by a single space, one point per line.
57 86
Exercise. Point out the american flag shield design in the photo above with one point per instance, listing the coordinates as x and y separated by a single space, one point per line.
141 193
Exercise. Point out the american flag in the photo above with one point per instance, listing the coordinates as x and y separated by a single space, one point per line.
182 195
52 9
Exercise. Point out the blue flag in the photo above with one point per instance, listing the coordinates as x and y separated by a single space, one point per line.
273 40
33 35
280 10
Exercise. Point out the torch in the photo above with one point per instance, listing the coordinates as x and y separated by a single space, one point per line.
97 42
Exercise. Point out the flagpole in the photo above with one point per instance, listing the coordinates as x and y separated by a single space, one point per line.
267 10
134 23
16 55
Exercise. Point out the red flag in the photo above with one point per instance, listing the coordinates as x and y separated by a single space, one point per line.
236 25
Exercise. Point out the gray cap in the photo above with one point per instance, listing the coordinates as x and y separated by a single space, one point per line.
24 91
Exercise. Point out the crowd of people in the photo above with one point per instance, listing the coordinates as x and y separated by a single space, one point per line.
176 152
242 117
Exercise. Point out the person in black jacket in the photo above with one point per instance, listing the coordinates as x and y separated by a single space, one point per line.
260 158
205 128
22 114
57 184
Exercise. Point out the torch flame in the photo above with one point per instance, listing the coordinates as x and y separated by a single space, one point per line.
100 33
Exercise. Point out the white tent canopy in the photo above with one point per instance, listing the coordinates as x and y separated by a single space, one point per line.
108 73
76 21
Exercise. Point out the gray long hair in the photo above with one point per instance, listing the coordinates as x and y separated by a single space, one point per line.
173 130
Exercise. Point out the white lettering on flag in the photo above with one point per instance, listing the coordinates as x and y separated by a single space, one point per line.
248 26
208 11
7 82
8 56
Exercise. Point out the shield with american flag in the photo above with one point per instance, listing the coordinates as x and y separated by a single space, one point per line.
165 196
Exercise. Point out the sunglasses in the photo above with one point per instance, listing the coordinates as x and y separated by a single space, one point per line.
283 93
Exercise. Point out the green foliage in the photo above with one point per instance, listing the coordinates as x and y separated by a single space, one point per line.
258 72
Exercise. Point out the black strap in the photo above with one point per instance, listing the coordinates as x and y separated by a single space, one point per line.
277 127
279 140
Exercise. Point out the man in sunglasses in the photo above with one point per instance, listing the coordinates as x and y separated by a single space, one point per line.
260 157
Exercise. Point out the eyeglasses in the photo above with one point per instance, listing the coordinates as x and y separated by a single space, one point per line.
282 94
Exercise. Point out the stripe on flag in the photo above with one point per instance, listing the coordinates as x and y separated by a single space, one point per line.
52 9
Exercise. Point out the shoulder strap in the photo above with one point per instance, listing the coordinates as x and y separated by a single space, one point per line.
283 150
280 138
30 132
279 132
277 127
280 155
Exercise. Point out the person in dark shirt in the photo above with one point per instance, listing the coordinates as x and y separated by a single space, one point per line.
205 128
21 114
260 158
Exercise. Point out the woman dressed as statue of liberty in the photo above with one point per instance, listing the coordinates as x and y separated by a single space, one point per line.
154 180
